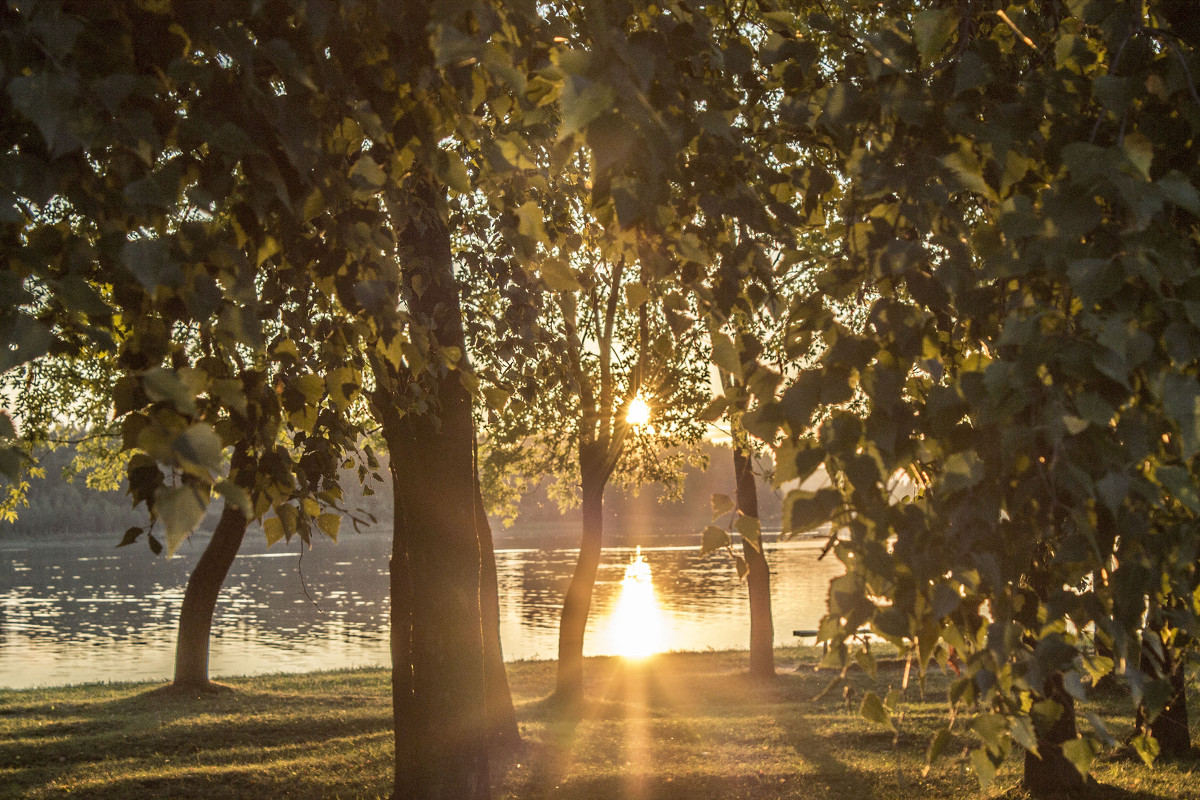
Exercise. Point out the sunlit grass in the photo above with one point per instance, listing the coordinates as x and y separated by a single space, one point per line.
670 726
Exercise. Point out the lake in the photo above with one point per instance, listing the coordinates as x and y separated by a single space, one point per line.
79 610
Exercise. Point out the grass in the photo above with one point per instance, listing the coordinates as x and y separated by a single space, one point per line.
677 726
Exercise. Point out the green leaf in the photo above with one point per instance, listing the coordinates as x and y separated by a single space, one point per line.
1180 483
1181 401
583 101
961 470
164 385
1081 752
742 567
991 729
937 746
150 262
635 295
932 29
722 504
725 354
714 539
558 277
872 710
49 101
273 528
180 508
750 531
1180 191
1146 746
330 524
1023 733
1140 152
199 446
985 770
530 222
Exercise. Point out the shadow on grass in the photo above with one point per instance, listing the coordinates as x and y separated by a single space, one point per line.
194 737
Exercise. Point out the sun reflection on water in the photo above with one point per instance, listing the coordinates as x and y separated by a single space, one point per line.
635 629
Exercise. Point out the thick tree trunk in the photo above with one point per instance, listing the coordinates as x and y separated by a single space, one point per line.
437 641
502 729
578 601
1053 774
200 599
762 627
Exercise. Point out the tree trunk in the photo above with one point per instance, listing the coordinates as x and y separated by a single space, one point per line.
578 601
200 599
437 635
1053 774
1170 727
502 729
762 628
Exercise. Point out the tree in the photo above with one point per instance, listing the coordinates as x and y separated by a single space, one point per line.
1024 362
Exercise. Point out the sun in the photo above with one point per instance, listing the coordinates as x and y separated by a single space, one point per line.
639 412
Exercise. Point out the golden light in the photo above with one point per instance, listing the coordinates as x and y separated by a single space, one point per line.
635 628
639 412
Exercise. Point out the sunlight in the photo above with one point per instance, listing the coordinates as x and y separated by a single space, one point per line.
635 629
639 412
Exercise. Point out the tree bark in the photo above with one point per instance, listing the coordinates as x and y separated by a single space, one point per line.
1053 774
502 729
200 599
577 603
437 634
762 628
1170 727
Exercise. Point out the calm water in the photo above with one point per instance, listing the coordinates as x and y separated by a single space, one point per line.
82 611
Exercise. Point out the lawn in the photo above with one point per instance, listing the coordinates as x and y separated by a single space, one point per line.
676 726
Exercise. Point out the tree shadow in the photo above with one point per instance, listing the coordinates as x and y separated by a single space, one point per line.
208 733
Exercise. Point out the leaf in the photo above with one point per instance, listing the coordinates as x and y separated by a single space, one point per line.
273 529
149 260
582 102
750 531
366 176
199 446
937 746
1181 401
985 770
722 504
725 354
1081 752
714 539
872 710
742 567
181 509
1180 483
1140 151
530 222
330 524
49 101
932 29
961 470
635 295
1022 731
1146 746
991 729
166 386
235 496
558 277
131 536
1180 191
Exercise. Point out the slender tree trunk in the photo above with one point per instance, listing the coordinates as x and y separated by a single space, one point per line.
200 599
404 706
578 601
762 628
1053 774
502 728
